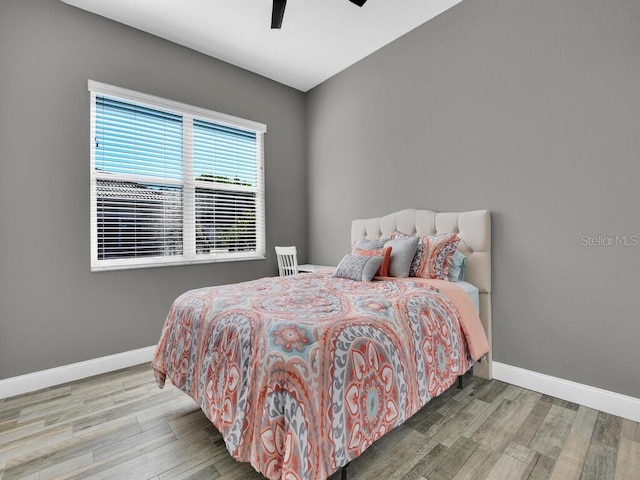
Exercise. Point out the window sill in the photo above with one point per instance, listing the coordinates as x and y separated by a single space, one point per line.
152 262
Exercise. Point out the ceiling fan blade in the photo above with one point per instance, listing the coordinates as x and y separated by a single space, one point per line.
278 13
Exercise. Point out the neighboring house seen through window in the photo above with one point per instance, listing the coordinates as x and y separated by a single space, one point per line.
172 184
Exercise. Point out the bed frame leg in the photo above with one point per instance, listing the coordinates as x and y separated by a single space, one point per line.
343 472
460 386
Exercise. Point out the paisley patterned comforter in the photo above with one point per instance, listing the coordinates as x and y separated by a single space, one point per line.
301 374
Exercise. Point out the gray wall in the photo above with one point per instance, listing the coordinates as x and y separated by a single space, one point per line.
531 110
53 311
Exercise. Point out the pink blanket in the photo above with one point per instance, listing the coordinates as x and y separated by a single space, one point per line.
477 341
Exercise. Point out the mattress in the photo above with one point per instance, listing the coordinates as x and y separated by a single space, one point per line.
472 291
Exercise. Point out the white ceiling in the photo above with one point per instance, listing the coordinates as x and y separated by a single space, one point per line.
318 39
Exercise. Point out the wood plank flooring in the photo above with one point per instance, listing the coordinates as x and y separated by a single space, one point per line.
121 426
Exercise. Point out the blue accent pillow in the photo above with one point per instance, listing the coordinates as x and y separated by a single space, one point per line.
358 267
457 267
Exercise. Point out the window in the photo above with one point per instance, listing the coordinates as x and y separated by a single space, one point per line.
171 183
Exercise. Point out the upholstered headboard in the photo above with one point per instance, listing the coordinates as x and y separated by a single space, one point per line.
474 230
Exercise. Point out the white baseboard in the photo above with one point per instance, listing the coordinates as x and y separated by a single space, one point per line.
592 397
76 371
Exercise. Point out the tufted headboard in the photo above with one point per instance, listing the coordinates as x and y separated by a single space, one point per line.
474 230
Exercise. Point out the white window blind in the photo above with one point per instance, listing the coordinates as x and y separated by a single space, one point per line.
171 183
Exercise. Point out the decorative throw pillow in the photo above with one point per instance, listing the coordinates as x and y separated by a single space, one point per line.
366 244
457 267
433 254
402 253
385 253
356 267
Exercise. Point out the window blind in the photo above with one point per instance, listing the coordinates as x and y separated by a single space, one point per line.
226 177
171 183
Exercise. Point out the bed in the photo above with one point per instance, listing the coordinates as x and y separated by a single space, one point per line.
302 374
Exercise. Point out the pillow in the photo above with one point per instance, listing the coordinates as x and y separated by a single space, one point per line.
433 254
356 267
366 244
385 253
457 267
402 252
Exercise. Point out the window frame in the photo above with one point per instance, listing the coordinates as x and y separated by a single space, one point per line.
189 113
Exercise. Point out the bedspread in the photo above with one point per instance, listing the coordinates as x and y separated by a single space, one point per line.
301 374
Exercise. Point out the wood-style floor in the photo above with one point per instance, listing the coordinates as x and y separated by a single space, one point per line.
121 426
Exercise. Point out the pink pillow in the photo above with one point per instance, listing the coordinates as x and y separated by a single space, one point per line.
385 253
